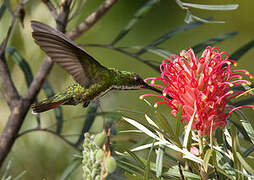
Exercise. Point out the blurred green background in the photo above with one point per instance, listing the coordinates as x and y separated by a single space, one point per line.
45 156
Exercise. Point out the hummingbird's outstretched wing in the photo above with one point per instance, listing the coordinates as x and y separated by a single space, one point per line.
66 53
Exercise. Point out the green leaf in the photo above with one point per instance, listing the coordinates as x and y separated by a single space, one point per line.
235 149
19 60
141 127
69 169
211 135
20 175
178 120
159 161
91 111
208 155
168 35
139 161
130 168
241 129
137 16
6 170
205 20
223 166
164 125
248 151
242 50
49 92
188 131
245 164
147 169
227 7
246 124
174 171
2 10
199 47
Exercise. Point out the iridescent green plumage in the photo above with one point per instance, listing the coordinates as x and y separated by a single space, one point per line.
93 79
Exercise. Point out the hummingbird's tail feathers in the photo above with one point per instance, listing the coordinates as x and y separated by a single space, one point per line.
48 104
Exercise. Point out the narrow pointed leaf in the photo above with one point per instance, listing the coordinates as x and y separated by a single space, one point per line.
235 149
89 119
248 151
130 169
205 20
211 135
139 161
6 170
227 7
24 66
69 170
247 125
159 161
208 155
242 50
164 125
19 176
174 171
49 92
141 127
188 130
178 121
2 10
159 52
197 48
169 34
224 167
147 169
138 15
244 163
241 129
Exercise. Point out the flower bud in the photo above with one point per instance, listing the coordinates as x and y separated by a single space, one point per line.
100 139
110 164
99 155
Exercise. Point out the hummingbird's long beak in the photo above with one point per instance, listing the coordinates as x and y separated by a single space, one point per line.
147 86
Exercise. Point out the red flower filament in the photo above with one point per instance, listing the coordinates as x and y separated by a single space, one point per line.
203 86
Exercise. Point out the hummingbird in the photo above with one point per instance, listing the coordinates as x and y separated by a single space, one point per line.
92 79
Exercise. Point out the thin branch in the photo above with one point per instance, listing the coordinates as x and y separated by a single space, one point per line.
91 19
39 79
51 132
133 55
51 8
9 90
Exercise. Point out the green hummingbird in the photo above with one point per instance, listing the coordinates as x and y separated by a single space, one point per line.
93 79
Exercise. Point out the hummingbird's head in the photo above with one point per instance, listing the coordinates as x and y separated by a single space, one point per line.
134 81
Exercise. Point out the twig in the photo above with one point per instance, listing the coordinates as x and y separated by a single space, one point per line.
133 55
9 90
51 8
62 18
51 132
91 19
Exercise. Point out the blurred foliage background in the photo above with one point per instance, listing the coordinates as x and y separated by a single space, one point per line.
45 156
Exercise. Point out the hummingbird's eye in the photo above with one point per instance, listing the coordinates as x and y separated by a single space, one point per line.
136 78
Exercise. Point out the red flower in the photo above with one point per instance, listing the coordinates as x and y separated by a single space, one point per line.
203 86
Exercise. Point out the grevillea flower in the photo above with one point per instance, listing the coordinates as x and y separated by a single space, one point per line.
201 85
